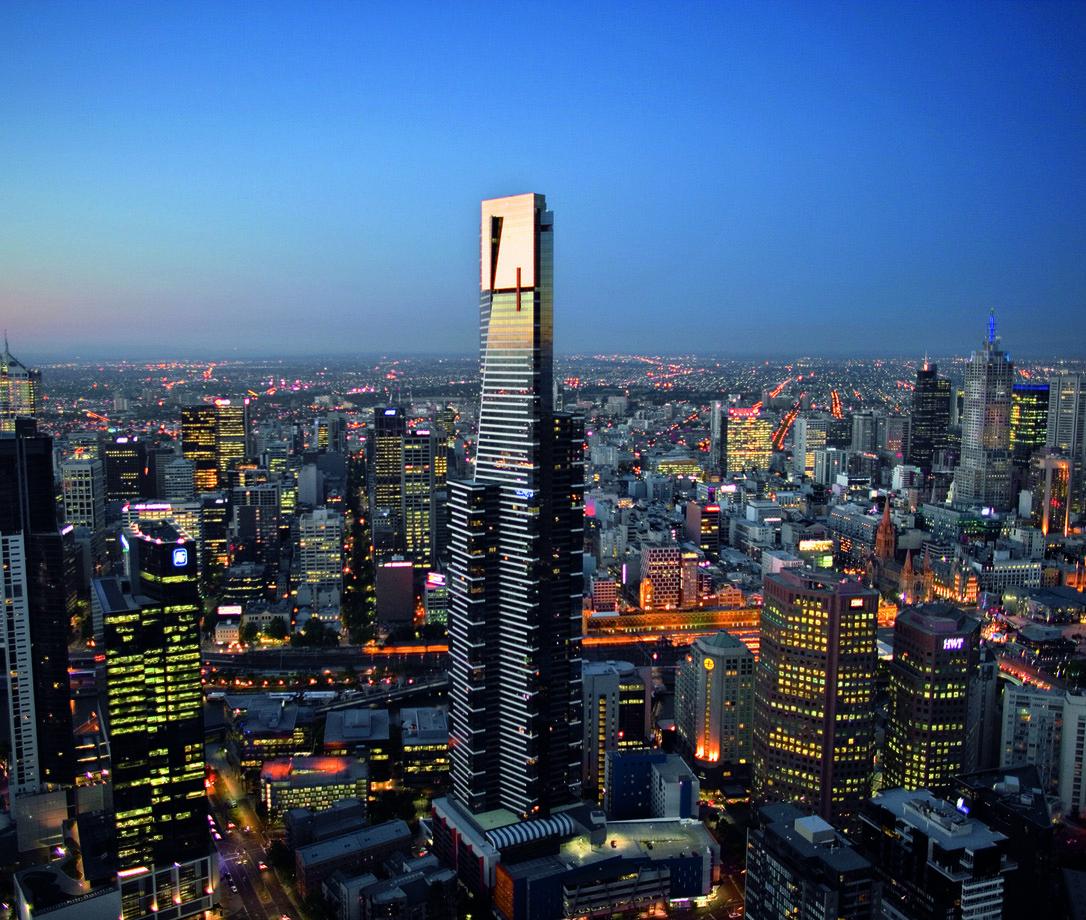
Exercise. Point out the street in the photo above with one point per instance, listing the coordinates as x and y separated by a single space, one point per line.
260 895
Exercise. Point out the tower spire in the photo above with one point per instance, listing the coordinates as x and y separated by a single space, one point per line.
991 326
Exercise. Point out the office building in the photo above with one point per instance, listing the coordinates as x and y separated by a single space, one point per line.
933 860
1067 429
661 578
418 481
214 437
799 867
1051 485
983 477
179 480
125 459
1032 732
718 440
20 390
386 478
749 444
517 541
930 416
714 702
320 550
642 783
37 602
1029 421
703 527
814 712
311 782
616 717
154 702
934 660
809 434
84 484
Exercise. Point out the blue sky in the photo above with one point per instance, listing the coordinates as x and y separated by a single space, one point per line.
745 178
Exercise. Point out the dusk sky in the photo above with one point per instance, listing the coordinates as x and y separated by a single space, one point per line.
745 178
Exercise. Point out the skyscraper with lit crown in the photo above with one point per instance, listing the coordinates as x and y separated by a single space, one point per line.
516 542
20 390
983 477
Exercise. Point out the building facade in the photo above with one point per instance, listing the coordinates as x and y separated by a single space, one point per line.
517 542
814 718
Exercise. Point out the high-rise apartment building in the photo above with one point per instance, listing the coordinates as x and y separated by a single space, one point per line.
1067 429
931 416
714 702
516 538
935 657
155 725
84 483
20 390
749 443
1029 421
215 436
983 477
814 714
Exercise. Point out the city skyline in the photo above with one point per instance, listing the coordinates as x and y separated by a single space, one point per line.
301 163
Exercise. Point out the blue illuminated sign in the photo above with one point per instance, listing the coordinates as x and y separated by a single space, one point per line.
180 557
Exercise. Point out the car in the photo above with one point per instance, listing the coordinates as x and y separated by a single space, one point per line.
231 826
262 866
735 913
247 829
284 917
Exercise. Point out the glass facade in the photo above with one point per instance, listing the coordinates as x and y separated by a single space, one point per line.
517 540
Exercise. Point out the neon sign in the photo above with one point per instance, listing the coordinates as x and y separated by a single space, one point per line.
952 645
180 557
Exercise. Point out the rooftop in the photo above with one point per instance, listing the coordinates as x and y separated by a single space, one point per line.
424 726
356 726
938 819
313 771
811 838
385 834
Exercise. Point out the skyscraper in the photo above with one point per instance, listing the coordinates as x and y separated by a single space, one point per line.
516 542
814 715
386 479
718 439
1029 421
20 390
417 495
749 443
84 484
983 477
125 460
1067 429
931 416
714 701
198 424
935 656
154 702
1051 481
214 436
37 600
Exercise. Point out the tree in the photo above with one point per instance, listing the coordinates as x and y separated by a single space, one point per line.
277 629
249 632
